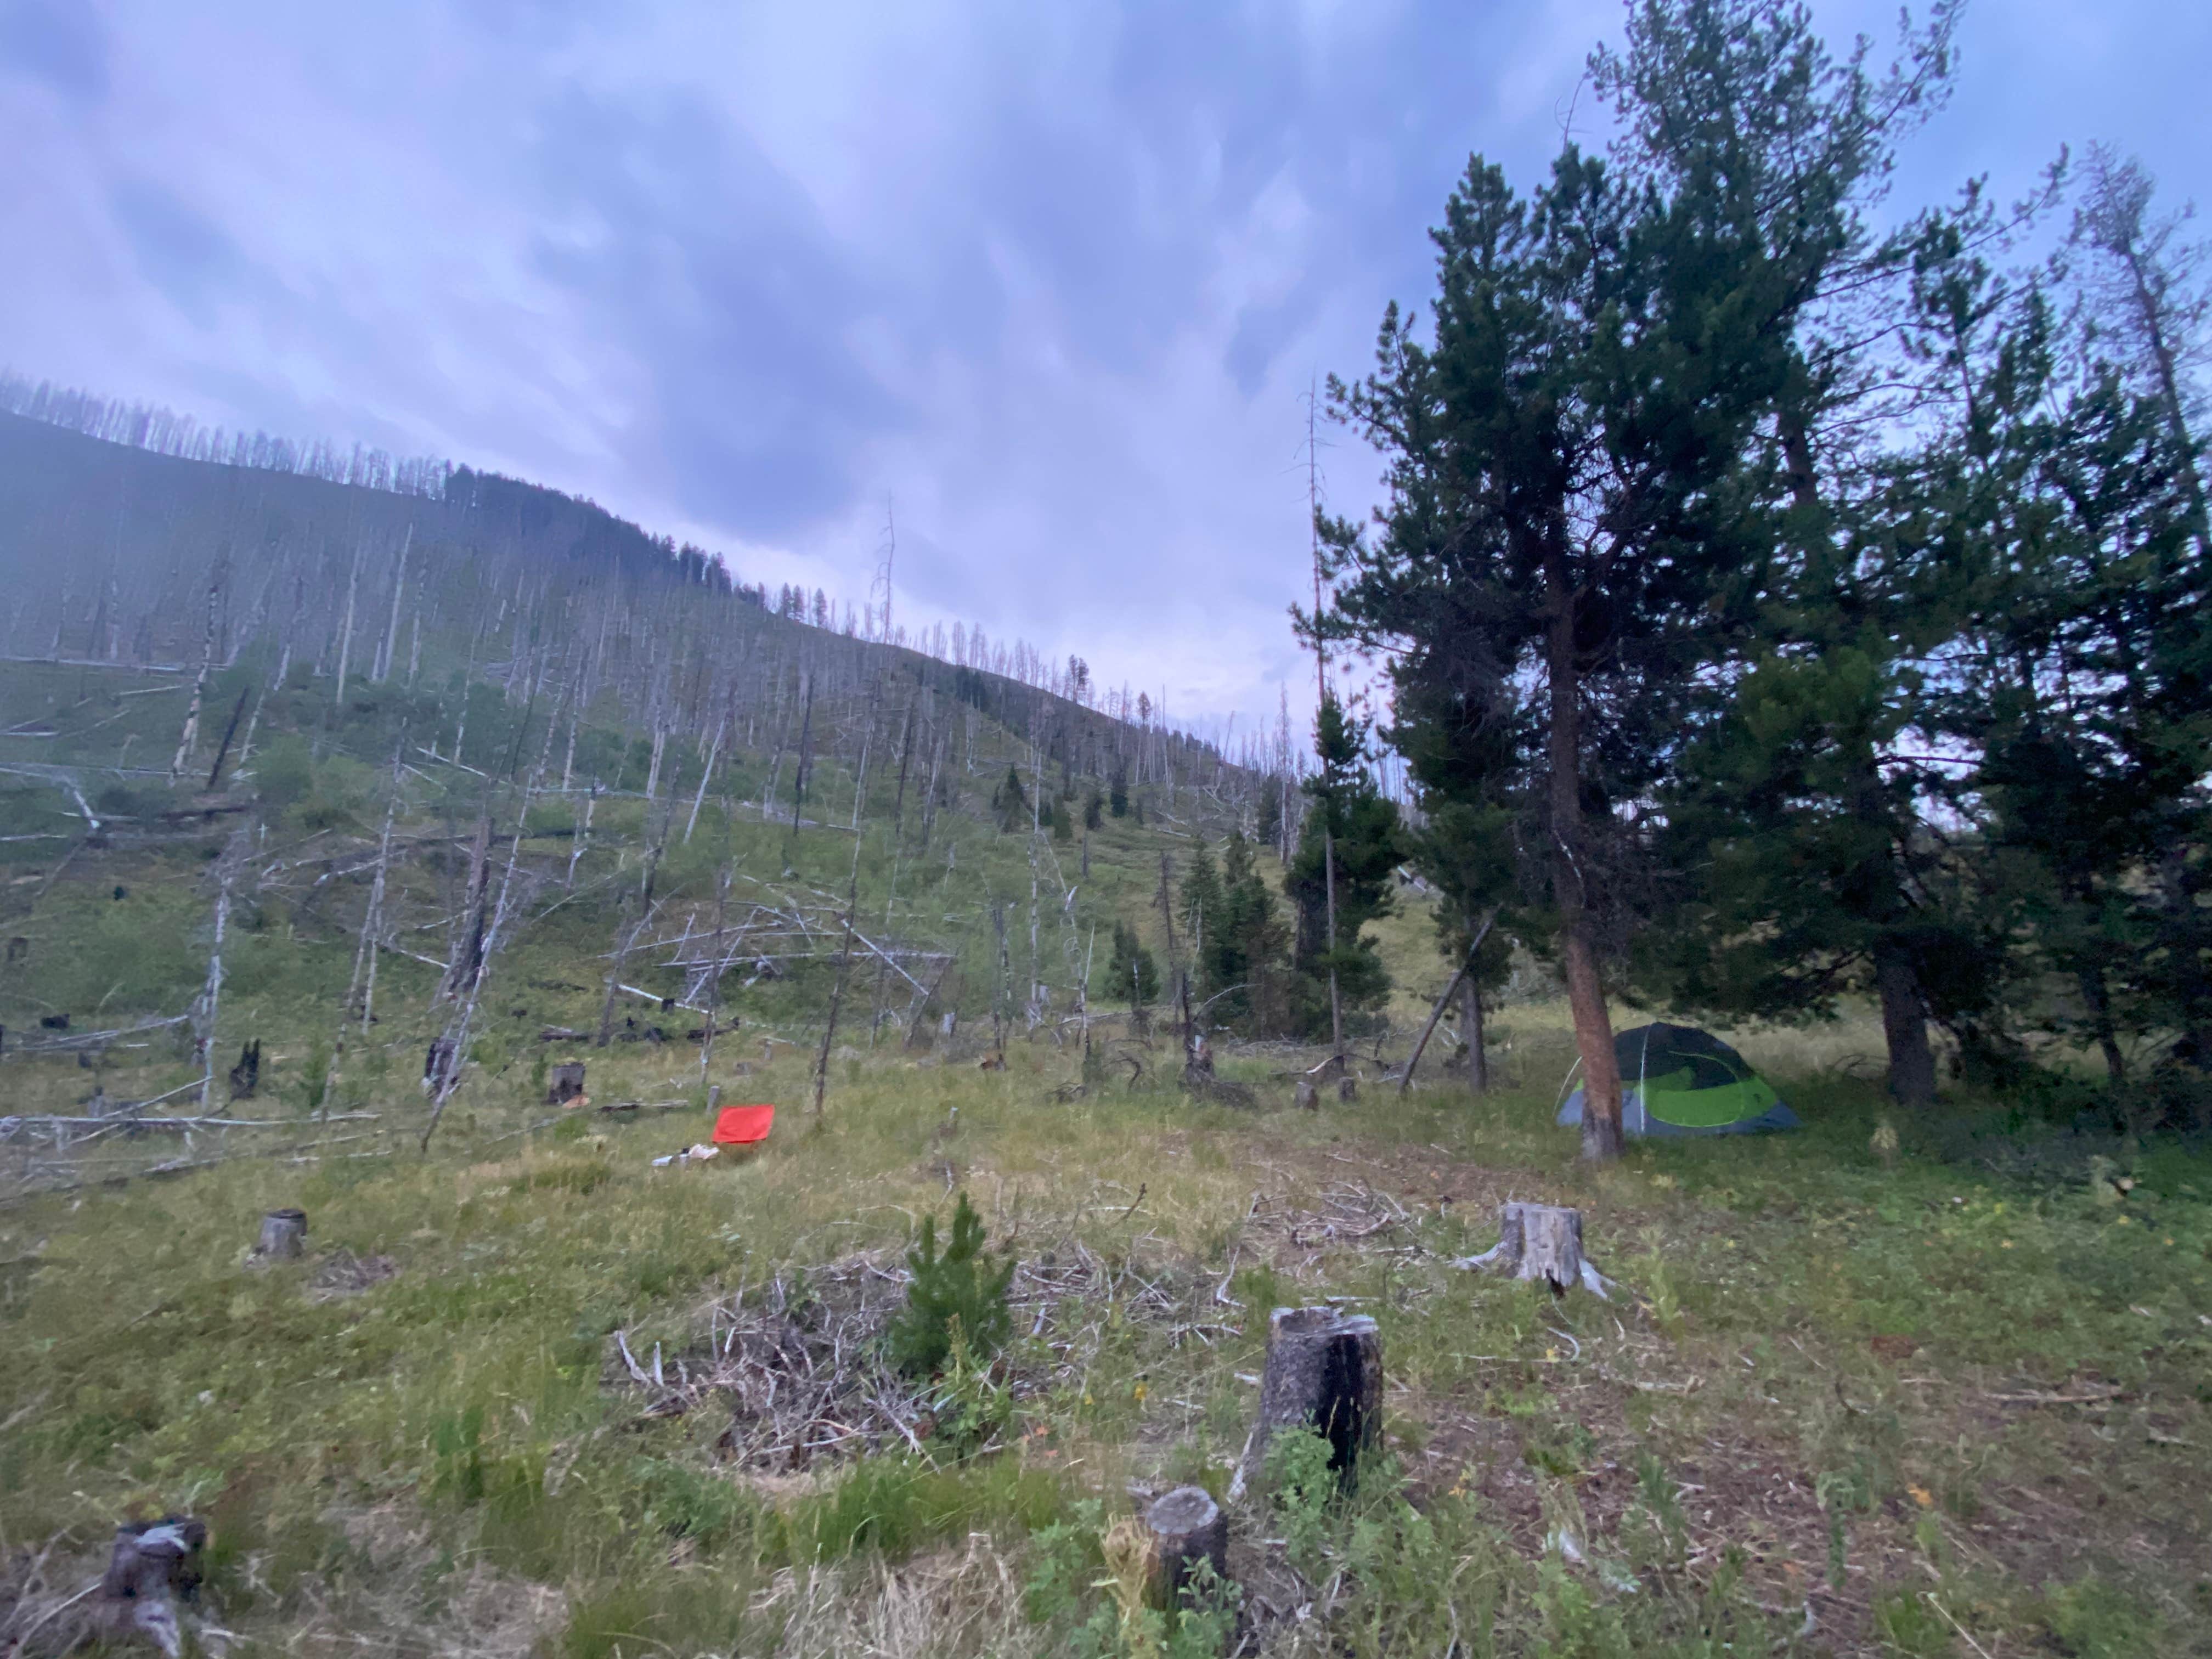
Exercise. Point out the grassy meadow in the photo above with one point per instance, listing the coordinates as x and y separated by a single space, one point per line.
1941 1408
1956 1405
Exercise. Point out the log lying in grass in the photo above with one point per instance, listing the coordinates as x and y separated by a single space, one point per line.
1187 1526
1540 1242
1324 1371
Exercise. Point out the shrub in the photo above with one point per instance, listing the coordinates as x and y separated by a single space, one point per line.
960 1284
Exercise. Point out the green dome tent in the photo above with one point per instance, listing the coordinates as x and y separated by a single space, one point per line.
1678 1080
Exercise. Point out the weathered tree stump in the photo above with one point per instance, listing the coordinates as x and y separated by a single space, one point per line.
1540 1242
439 1065
1324 1371
1348 1089
1309 1096
245 1075
1188 1527
283 1236
1198 1060
568 1082
155 1565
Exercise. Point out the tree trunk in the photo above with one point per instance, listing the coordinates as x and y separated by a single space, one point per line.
1188 1527
2099 1002
1601 1129
1421 1042
1904 1027
1324 1372
1478 1062
1540 1242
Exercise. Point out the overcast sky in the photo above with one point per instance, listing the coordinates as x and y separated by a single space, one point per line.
1053 277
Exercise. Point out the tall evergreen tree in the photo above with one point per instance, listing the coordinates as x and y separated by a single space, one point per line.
1363 839
1580 485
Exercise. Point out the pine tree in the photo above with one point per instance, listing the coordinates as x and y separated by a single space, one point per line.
1367 848
1131 973
1582 488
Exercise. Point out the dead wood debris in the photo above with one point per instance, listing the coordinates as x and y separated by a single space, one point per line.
799 1362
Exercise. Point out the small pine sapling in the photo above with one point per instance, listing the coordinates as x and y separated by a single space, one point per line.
960 1285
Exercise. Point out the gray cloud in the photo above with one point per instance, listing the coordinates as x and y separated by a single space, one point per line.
1054 279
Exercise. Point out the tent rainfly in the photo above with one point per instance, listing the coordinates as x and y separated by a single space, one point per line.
1678 1080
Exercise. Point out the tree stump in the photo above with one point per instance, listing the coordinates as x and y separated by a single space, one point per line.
1540 1242
1188 1527
245 1075
1198 1060
568 1082
439 1065
1348 1089
1309 1096
283 1236
155 1565
1324 1371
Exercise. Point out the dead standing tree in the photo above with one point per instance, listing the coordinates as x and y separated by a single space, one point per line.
626 933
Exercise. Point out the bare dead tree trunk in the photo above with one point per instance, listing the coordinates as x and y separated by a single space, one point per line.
712 749
629 936
1421 1042
383 666
211 995
223 750
191 735
466 955
345 636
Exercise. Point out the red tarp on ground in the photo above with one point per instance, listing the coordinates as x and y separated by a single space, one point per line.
742 1126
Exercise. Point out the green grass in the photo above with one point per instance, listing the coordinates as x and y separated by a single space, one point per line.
360 1453
1957 1402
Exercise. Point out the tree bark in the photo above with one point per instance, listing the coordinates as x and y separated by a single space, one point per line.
1904 1027
1324 1371
1478 1061
1188 1527
1540 1242
283 1235
1602 1128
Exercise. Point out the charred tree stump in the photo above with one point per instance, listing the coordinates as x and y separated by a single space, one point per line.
1309 1096
568 1082
245 1075
1540 1242
1187 1526
1348 1089
155 1565
439 1065
283 1236
1324 1372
